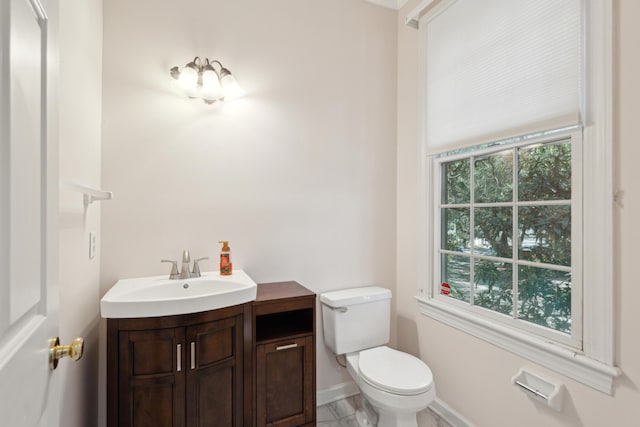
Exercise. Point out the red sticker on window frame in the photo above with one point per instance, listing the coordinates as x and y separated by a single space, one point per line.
445 289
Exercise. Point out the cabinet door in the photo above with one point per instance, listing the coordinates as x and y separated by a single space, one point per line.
284 386
151 383
215 373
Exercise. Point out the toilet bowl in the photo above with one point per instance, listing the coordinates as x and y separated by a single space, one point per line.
398 385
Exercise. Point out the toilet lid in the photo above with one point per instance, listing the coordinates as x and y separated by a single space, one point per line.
394 371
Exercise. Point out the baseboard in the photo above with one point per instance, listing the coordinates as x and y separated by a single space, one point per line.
337 392
445 412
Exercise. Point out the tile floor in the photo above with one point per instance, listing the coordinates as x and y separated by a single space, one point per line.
342 413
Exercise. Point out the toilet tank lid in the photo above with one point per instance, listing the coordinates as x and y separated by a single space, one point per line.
353 296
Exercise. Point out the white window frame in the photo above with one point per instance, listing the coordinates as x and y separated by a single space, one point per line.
593 365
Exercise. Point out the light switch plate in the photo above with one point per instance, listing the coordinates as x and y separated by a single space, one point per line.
92 245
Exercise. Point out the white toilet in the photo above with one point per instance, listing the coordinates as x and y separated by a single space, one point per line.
356 323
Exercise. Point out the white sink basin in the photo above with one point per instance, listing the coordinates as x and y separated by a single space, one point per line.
159 296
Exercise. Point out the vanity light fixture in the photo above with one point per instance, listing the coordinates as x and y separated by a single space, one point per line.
200 79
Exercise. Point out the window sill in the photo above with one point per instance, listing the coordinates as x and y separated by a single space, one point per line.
574 365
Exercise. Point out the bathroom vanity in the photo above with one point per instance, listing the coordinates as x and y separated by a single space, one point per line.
251 364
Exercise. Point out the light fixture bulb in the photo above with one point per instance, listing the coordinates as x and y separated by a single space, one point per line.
211 89
188 79
230 86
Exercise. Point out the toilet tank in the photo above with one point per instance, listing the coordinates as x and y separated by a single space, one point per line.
356 319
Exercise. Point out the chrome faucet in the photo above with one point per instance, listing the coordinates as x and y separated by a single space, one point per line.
186 260
184 273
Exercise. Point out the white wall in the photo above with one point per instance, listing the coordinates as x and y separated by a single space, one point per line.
299 175
473 377
79 145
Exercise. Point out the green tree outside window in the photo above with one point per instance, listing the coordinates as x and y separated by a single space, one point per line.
482 189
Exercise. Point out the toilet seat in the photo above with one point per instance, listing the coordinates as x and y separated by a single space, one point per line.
394 371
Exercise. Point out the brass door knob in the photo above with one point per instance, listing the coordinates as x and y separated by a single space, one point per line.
57 351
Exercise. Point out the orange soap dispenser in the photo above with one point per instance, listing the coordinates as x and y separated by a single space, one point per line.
226 267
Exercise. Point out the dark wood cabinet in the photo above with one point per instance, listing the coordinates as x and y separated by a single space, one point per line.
284 339
177 371
150 389
250 365
214 373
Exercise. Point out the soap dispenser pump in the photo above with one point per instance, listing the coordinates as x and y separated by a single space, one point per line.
226 267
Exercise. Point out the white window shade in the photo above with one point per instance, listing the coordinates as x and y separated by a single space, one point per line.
499 68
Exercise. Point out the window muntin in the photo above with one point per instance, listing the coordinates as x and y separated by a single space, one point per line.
489 195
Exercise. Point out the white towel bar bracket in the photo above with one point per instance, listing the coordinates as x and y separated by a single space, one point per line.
90 194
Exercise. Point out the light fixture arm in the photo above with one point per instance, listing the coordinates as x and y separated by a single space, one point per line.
209 65
223 71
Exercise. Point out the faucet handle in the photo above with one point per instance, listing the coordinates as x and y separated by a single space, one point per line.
174 268
196 268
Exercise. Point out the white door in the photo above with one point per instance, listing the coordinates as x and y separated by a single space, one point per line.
28 211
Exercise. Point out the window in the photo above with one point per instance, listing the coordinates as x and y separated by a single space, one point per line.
486 197
520 230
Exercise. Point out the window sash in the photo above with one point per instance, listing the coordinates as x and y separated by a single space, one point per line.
575 339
